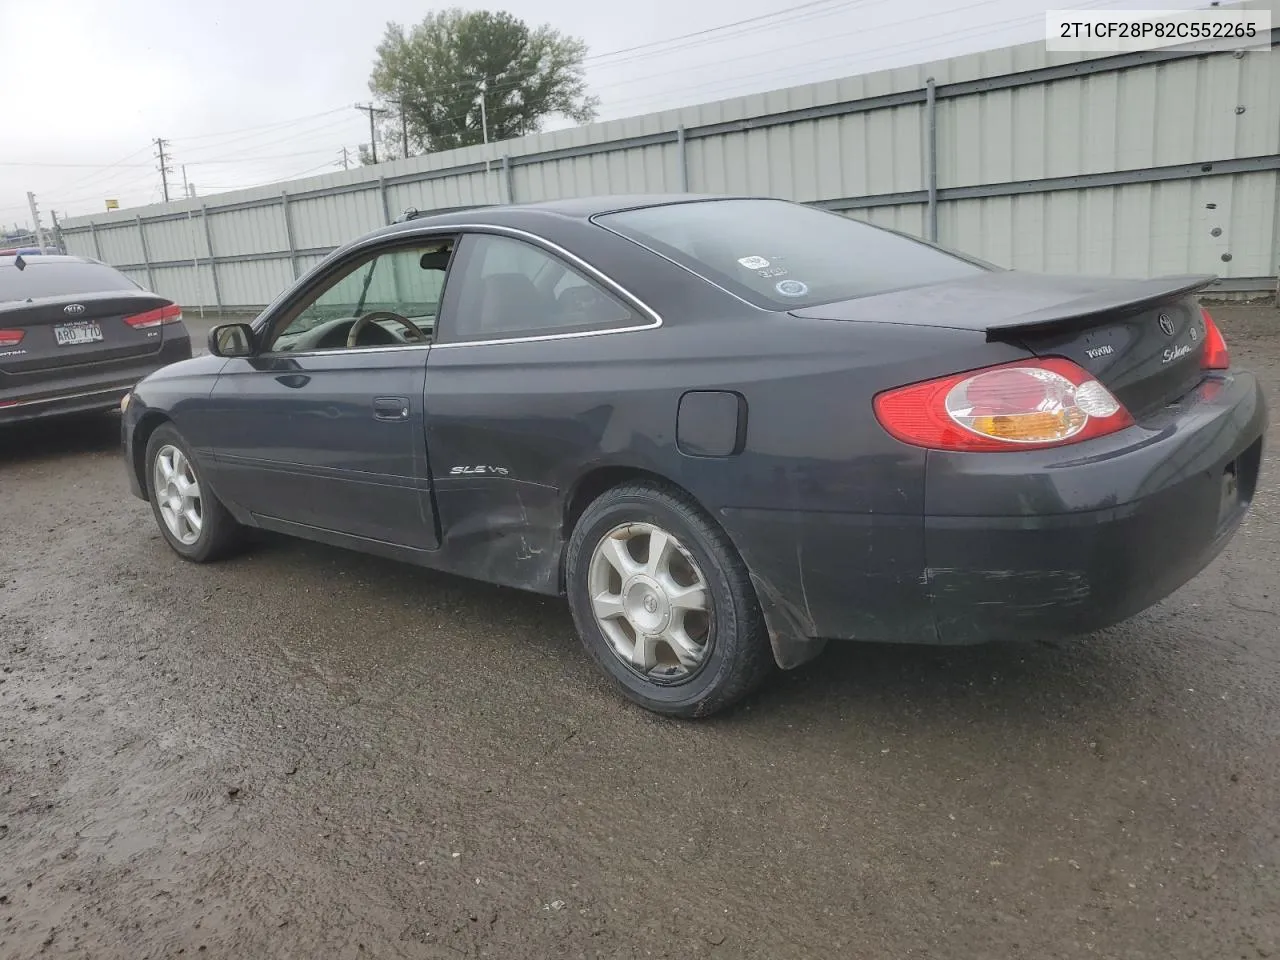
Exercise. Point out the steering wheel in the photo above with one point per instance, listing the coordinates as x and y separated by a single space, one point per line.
415 332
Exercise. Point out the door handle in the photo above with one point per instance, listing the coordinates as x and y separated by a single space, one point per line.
390 408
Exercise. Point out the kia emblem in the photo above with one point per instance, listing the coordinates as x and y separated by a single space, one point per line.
75 309
1166 324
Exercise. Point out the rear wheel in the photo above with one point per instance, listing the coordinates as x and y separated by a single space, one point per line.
191 519
663 602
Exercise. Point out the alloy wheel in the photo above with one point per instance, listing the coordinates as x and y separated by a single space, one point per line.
651 602
178 494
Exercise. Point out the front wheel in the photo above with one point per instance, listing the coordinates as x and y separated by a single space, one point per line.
663 602
191 519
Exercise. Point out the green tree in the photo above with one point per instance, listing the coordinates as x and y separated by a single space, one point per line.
438 71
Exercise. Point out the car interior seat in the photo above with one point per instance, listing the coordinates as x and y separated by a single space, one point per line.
511 302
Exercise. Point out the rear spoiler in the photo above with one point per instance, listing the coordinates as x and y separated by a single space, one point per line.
1132 297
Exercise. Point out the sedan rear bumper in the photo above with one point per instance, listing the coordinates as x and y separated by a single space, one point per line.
60 404
84 389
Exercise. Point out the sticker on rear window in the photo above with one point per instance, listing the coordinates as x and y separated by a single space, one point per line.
753 263
791 288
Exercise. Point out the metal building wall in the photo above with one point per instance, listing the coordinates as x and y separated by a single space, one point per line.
1138 164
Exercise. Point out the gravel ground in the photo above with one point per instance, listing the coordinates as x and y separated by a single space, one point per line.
309 753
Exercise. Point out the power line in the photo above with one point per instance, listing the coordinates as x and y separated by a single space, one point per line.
277 156
262 126
289 138
46 163
119 188
266 183
105 170
712 64
801 13
312 123
858 61
148 166
717 29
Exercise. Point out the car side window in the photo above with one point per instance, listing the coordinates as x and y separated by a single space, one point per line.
391 287
511 288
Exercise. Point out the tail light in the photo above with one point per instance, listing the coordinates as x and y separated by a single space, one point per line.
11 338
1016 406
1215 356
155 318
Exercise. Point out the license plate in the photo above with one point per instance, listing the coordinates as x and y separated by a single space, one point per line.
70 334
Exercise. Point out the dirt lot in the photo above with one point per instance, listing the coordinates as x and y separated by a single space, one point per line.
309 753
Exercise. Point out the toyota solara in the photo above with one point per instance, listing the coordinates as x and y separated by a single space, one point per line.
728 430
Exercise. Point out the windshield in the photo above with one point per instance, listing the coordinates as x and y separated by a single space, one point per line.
781 255
54 278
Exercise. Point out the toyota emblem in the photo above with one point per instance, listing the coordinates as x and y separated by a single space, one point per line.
1166 324
75 309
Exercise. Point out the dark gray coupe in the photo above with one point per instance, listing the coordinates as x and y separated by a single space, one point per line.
728 429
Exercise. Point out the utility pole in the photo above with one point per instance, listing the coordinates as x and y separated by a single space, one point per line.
404 123
165 170
57 230
484 126
484 117
346 163
373 132
186 187
35 218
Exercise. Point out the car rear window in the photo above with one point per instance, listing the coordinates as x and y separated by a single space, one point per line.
782 255
45 278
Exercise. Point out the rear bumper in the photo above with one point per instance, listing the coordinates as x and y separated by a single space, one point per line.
1101 532
1021 545
62 404
84 389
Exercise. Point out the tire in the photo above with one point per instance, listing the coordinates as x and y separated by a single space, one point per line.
217 534
707 659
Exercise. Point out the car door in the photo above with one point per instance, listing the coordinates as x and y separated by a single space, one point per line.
323 426
519 391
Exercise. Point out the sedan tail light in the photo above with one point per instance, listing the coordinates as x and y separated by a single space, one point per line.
1215 355
155 318
11 338
1016 406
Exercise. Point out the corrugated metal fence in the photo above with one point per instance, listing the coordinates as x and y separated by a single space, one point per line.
1136 164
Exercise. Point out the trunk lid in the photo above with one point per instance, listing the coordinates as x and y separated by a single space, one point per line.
1143 339
77 330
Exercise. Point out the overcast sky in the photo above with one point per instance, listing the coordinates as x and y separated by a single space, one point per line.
255 91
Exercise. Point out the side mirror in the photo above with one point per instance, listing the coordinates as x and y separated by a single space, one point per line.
231 340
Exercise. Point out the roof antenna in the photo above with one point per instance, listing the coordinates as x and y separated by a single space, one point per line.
19 262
